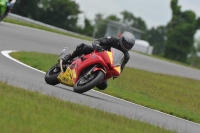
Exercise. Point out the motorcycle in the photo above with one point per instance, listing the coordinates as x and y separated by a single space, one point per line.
86 71
2 8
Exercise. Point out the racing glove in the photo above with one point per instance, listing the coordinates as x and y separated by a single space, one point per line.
66 58
99 48
96 46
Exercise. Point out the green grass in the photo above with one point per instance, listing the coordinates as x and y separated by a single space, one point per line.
171 94
24 111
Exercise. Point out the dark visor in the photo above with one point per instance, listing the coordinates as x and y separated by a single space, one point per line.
126 44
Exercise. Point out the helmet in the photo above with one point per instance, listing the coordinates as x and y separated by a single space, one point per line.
126 41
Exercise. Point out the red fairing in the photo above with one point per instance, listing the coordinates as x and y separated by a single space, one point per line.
94 58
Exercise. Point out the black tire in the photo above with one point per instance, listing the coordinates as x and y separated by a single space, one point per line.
98 77
51 75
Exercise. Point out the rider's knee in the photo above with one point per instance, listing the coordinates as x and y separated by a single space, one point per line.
102 86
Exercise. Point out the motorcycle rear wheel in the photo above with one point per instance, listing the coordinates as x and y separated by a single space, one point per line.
52 74
86 84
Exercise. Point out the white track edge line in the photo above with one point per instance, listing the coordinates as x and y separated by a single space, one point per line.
6 54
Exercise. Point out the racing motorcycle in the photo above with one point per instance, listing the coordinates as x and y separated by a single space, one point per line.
2 8
86 71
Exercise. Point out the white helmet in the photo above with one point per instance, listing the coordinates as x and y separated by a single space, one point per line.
127 41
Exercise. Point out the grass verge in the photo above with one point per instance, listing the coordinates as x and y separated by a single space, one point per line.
170 94
23 111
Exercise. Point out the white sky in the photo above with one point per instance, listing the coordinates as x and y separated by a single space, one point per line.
153 12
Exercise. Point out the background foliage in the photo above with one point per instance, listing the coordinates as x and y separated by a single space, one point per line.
180 33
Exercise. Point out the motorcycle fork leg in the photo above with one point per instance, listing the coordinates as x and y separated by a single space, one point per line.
61 66
90 71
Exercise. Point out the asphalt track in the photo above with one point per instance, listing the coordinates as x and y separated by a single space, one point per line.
13 37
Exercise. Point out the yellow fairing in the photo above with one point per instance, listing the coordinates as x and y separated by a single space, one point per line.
67 77
118 69
110 56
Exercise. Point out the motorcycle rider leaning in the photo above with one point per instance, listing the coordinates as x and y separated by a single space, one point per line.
124 44
9 7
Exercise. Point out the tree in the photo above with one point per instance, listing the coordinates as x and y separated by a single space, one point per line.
156 37
128 18
113 17
27 8
88 28
133 21
101 24
180 33
59 13
195 52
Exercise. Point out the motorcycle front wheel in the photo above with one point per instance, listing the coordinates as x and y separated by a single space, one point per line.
52 74
87 83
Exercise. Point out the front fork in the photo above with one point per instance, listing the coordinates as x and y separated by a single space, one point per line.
89 72
61 66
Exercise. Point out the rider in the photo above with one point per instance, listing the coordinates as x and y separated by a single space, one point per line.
9 7
124 44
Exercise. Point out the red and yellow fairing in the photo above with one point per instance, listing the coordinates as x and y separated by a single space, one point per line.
116 70
105 59
67 77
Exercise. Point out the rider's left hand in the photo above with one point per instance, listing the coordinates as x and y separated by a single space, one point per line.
99 48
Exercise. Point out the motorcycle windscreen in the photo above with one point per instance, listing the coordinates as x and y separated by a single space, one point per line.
118 57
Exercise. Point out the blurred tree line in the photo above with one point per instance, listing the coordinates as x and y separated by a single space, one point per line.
60 13
174 41
180 33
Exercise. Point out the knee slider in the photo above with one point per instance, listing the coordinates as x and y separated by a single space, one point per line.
102 86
